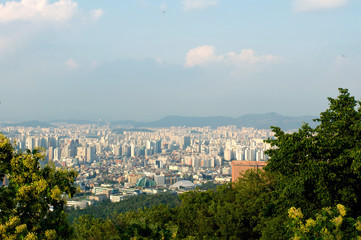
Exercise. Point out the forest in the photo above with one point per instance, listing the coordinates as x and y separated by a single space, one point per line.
107 209
310 189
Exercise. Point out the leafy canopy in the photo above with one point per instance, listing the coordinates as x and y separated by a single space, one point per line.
322 166
32 203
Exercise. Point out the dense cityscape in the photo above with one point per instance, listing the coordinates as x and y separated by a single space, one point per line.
114 163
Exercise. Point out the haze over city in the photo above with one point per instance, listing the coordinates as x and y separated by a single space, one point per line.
143 60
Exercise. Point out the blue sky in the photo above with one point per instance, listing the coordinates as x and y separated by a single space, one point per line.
146 59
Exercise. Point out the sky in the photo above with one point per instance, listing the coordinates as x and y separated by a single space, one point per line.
147 59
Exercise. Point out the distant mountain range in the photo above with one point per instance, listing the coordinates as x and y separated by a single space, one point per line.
259 121
28 124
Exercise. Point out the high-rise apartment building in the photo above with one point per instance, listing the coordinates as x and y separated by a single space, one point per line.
159 180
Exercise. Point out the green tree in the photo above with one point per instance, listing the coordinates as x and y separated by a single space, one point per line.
109 209
328 223
33 202
321 166
154 223
232 211
89 228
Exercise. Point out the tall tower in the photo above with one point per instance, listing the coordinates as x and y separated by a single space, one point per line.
51 153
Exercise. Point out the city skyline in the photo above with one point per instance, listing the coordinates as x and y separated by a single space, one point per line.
144 60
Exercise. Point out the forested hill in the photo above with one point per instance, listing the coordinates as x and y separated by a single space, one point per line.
105 210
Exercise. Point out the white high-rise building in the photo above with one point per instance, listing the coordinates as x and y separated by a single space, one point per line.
117 150
30 143
227 154
250 154
56 154
239 154
159 180
132 150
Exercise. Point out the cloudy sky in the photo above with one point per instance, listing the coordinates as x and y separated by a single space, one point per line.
146 59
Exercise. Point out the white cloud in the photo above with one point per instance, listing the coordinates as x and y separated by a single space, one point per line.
204 55
249 56
311 5
71 64
200 55
96 14
38 10
39 14
189 5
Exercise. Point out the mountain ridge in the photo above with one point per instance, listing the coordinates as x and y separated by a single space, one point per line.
259 121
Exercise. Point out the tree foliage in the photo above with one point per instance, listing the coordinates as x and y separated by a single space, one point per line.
321 167
106 210
233 211
328 223
32 203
